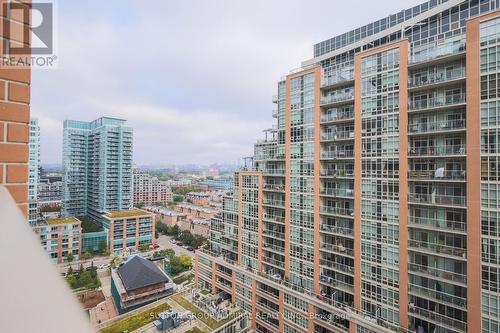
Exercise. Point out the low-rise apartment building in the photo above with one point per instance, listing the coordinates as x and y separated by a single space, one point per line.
129 229
195 226
59 237
194 211
149 190
167 216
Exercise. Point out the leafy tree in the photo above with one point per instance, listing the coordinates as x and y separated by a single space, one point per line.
186 260
102 246
186 237
70 271
143 247
69 257
140 205
86 255
178 198
161 227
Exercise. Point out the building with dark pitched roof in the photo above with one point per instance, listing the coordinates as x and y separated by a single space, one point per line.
138 282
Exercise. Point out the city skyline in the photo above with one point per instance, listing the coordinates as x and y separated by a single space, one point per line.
184 84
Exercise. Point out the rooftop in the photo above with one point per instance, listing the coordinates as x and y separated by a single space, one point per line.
138 272
127 213
63 220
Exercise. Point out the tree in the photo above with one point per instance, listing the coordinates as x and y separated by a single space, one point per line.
186 261
140 205
102 246
161 227
178 198
143 247
70 271
69 257
175 231
186 237
86 255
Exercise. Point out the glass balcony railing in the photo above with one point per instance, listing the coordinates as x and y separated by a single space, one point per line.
337 230
338 75
338 192
273 218
337 211
338 135
274 187
438 273
437 296
437 223
433 78
337 248
337 116
437 126
438 174
437 199
436 102
437 150
439 318
337 172
337 97
338 154
336 266
437 50
438 248
273 233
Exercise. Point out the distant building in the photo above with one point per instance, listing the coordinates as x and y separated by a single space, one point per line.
207 198
129 229
165 215
49 191
138 282
97 167
217 183
59 237
193 211
33 171
195 226
149 190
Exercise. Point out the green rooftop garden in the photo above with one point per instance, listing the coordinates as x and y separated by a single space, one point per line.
127 213
63 220
201 315
136 321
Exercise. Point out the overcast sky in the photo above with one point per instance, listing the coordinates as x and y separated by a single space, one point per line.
193 78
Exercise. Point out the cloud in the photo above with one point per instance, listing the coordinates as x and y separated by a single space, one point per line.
193 78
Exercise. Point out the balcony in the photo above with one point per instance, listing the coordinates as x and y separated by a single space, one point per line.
343 212
436 50
338 98
274 262
437 199
274 187
338 192
437 224
433 79
446 102
337 116
336 284
348 173
341 231
273 218
447 150
273 172
437 273
436 126
337 154
437 296
273 233
337 248
273 248
332 265
274 203
438 319
337 136
438 175
337 77
439 249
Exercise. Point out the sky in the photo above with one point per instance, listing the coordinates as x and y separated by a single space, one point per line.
193 78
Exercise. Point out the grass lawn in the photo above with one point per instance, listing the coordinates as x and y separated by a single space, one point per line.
209 321
184 277
194 330
136 321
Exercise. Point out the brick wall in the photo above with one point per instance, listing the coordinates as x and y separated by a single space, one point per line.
14 112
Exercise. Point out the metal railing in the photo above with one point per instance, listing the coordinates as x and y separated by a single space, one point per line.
438 248
439 199
337 135
437 175
338 192
437 126
439 273
437 223
337 211
338 154
437 150
436 102
431 78
337 116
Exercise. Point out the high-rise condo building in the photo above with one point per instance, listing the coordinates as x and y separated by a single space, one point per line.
97 167
33 170
374 204
149 190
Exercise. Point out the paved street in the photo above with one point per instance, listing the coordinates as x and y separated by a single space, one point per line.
165 243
